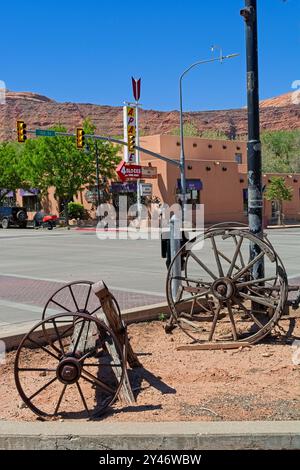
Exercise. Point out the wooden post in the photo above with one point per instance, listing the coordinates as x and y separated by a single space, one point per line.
110 316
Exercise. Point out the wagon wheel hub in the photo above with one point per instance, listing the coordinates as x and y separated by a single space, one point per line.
223 289
69 370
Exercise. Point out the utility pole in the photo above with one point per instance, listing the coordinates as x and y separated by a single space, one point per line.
255 197
97 174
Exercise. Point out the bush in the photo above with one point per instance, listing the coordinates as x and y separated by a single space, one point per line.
76 210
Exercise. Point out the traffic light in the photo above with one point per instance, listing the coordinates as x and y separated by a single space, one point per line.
131 143
80 138
21 129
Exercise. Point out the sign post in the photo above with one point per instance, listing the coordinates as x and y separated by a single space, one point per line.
136 89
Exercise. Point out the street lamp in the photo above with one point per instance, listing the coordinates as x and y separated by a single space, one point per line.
182 154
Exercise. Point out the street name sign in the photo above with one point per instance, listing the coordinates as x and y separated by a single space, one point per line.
45 133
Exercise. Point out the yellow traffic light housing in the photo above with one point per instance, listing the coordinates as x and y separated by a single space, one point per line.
131 143
21 130
80 138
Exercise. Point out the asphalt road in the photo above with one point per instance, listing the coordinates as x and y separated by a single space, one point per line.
129 266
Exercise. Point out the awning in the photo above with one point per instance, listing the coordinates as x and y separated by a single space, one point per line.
29 192
10 194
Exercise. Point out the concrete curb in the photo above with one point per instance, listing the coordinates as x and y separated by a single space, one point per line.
12 334
151 436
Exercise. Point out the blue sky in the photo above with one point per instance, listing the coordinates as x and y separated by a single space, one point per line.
87 51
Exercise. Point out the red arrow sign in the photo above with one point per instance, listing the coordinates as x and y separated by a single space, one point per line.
127 172
136 88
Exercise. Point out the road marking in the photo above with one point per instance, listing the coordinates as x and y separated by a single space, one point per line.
26 307
63 281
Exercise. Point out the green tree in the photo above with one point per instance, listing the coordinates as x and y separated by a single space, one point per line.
189 130
214 134
278 192
56 161
281 151
11 175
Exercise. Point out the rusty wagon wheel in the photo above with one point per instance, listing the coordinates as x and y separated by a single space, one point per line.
74 297
216 298
80 378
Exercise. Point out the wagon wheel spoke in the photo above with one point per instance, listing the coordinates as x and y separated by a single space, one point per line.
214 246
250 314
86 364
211 274
61 306
60 399
88 354
249 265
214 323
73 297
58 337
94 311
236 253
82 398
63 334
192 307
240 285
258 300
193 297
34 369
240 253
87 298
188 279
96 381
227 259
43 348
42 388
233 327
78 337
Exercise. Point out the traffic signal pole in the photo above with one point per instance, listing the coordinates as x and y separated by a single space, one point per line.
255 196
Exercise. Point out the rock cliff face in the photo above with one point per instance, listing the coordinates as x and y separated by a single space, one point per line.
41 112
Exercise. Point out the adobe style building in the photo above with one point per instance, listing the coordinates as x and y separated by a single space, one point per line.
216 172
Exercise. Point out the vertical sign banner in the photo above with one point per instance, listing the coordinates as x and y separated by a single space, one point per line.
129 131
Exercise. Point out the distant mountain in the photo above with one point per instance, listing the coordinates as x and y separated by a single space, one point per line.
42 112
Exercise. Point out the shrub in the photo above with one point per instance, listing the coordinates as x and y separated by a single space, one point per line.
76 210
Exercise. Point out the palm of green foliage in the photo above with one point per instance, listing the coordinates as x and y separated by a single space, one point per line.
278 191
10 161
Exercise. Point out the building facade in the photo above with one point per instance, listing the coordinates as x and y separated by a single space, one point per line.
216 172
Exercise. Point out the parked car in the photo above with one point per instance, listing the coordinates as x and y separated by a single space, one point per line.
13 216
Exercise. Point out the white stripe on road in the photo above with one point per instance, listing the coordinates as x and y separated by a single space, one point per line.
26 307
121 289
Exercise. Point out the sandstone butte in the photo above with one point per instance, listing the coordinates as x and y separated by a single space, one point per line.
41 112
